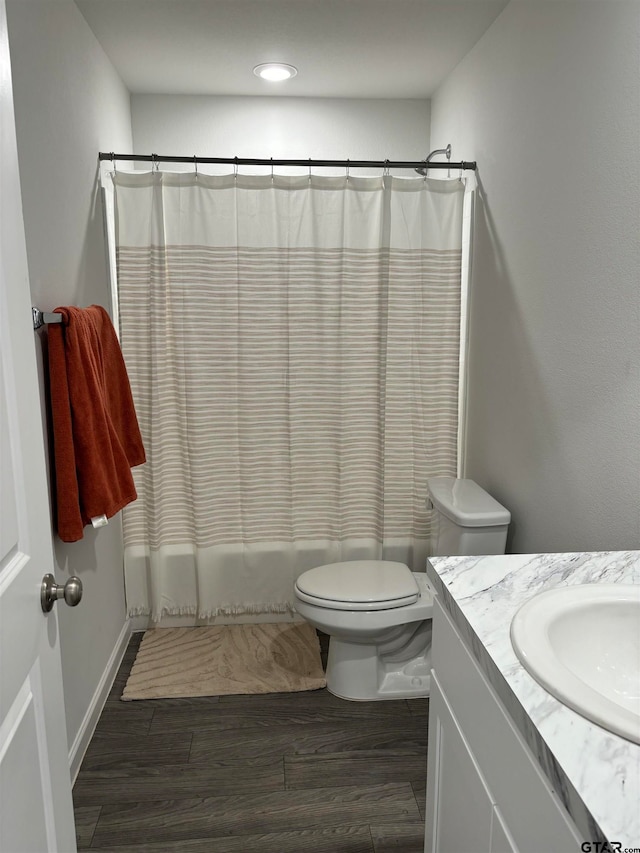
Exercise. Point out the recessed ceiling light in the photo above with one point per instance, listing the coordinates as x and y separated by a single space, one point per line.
275 71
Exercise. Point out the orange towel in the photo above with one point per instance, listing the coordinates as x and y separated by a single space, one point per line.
95 429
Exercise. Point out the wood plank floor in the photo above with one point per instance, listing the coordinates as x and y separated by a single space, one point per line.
282 773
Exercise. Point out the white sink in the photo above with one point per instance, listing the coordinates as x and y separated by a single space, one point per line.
582 644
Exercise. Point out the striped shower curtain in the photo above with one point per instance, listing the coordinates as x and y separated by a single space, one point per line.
293 350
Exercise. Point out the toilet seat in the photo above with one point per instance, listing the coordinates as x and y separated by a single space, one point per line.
359 585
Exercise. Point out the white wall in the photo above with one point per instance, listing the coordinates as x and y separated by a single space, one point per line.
281 127
548 102
70 103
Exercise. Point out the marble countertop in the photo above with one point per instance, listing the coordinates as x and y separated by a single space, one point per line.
596 773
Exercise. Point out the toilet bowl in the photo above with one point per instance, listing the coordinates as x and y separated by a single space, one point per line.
378 616
378 613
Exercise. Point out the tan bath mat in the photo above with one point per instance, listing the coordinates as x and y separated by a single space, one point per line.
223 660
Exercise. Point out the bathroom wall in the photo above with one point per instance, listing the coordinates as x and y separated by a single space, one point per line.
548 102
69 104
329 128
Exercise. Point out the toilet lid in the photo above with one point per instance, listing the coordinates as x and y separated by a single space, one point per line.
359 585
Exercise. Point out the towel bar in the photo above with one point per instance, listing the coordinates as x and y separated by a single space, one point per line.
42 317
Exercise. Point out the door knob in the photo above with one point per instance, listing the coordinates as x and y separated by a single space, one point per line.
50 592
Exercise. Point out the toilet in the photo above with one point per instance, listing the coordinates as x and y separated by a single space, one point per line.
378 612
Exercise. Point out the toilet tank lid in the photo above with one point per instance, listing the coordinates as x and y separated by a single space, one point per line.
466 503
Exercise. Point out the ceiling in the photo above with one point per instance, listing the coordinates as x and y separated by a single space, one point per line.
342 48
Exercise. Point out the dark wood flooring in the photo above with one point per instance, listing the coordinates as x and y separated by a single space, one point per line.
282 773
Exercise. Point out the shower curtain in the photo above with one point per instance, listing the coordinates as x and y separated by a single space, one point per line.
293 348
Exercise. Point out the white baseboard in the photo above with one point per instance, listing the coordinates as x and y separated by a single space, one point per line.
90 721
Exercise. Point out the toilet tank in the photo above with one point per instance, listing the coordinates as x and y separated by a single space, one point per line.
466 519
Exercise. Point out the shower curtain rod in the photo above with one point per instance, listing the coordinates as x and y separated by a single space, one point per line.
463 165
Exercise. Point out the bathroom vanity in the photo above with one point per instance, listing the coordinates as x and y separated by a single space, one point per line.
510 767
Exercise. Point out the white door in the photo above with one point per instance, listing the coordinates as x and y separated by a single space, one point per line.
36 812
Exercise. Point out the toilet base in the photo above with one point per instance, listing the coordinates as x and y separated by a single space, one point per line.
359 672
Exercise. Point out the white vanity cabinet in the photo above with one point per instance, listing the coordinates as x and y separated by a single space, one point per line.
485 790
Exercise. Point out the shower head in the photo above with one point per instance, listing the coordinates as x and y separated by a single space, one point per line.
424 169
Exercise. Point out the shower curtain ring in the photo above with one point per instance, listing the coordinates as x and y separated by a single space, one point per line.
385 171
309 168
195 165
113 160
347 169
154 164
271 158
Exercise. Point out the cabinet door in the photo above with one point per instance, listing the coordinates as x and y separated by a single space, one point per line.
531 817
459 804
501 841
